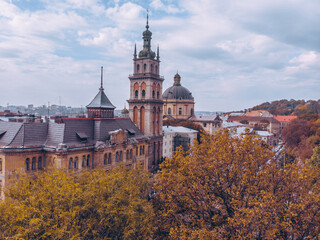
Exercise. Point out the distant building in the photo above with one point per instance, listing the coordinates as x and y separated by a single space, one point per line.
174 137
258 113
284 120
209 123
178 101
258 123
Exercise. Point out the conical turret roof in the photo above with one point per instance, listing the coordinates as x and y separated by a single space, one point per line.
101 101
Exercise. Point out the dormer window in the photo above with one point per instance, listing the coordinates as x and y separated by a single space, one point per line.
82 136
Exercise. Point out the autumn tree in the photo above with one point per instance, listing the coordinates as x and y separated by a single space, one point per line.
90 205
232 187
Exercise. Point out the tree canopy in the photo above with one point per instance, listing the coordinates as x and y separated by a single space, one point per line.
233 187
91 205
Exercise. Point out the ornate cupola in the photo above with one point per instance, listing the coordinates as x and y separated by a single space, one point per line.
100 106
146 52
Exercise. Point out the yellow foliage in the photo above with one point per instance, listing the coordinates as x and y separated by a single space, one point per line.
232 187
91 205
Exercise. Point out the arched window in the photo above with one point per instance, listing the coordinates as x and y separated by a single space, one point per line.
127 155
138 67
83 161
153 94
109 158
169 111
135 115
33 164
75 165
158 121
151 68
143 89
144 67
105 159
88 160
27 164
120 156
154 120
158 91
130 154
117 156
142 110
70 162
40 163
136 90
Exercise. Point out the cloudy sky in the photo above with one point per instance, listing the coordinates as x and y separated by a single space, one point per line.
231 55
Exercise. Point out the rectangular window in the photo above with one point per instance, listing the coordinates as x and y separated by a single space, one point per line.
0 165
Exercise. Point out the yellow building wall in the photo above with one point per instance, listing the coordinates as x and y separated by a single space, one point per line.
14 162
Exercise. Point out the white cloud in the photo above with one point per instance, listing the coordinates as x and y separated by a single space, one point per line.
169 8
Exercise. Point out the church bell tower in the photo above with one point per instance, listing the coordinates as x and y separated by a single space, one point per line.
145 103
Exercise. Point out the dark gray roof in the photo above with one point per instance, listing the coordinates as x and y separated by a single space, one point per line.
55 134
74 132
11 130
101 101
177 92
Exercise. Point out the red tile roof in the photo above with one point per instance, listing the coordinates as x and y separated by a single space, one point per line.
282 118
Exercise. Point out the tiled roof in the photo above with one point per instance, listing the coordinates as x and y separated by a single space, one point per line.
205 118
282 118
251 119
70 132
11 129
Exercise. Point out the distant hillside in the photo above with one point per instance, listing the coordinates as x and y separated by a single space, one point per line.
290 107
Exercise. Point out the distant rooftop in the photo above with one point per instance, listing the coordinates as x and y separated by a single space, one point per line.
177 129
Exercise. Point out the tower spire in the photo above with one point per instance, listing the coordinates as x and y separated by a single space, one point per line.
135 51
101 87
147 26
158 56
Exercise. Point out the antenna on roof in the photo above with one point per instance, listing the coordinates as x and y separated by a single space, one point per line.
101 87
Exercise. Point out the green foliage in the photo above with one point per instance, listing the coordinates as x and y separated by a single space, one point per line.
91 205
234 188
304 110
314 161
